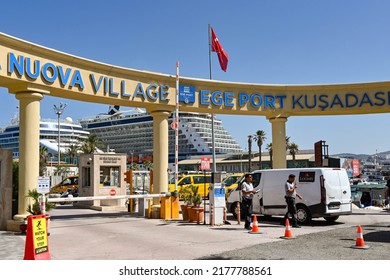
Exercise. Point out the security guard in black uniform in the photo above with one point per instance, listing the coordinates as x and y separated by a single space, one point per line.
290 196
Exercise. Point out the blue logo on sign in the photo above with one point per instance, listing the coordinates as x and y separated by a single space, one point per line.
187 94
219 192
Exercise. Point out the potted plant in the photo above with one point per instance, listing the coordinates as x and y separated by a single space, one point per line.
195 212
197 200
185 195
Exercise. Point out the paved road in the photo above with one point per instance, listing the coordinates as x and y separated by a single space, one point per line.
83 234
334 244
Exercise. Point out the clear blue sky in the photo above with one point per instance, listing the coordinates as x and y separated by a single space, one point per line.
268 42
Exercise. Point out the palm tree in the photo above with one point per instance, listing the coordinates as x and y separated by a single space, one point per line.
293 149
72 152
250 153
287 142
148 164
90 144
134 166
61 171
259 137
43 156
269 149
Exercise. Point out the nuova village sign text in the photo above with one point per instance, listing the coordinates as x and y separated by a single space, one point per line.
50 73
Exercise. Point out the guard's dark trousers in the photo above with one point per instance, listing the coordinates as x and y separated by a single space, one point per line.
292 210
246 205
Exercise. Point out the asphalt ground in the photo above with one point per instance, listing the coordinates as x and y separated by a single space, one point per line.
336 244
84 234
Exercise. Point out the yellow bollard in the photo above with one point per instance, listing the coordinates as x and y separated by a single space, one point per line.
149 208
165 209
175 207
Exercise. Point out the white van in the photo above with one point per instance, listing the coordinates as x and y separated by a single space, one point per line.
326 193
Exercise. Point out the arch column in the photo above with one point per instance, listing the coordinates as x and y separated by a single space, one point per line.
160 152
278 142
29 120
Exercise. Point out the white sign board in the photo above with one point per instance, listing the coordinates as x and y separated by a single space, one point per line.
219 195
43 186
217 198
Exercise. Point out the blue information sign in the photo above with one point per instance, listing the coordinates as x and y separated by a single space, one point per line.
219 192
186 94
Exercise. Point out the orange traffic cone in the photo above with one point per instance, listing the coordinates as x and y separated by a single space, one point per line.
255 226
287 232
360 240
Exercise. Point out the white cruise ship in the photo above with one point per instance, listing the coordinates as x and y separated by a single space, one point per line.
70 133
131 132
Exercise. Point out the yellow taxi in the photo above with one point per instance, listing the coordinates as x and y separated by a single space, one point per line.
231 181
200 180
70 182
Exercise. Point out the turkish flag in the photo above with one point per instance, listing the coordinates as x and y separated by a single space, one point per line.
217 47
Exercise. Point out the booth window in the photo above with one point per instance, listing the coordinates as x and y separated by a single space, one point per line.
109 176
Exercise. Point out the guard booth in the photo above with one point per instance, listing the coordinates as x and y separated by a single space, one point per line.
102 175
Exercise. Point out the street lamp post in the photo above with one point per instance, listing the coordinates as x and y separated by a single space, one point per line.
250 153
59 110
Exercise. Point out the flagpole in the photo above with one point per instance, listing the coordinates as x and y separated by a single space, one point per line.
210 52
214 169
176 126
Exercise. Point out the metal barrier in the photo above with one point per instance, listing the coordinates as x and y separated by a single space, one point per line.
89 198
141 200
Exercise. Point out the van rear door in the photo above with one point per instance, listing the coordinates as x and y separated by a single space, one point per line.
338 191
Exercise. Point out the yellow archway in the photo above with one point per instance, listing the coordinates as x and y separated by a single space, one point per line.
31 71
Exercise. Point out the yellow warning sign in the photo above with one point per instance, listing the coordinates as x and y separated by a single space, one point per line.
40 235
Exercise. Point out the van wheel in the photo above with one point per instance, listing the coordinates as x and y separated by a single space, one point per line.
331 219
303 214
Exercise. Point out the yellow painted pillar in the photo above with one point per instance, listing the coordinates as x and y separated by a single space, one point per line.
160 152
278 142
29 119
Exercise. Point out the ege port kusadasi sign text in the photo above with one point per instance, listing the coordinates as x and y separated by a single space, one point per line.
71 77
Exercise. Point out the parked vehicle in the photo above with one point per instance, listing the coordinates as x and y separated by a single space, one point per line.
326 193
231 182
70 182
69 193
200 180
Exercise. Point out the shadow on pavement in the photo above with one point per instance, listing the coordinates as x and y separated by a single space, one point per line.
377 236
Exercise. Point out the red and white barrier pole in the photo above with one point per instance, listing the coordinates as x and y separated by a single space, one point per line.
42 204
